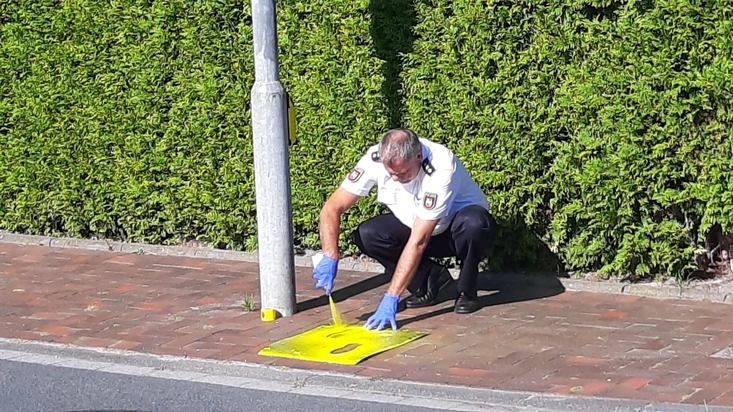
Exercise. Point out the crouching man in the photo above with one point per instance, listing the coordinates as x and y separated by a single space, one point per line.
437 210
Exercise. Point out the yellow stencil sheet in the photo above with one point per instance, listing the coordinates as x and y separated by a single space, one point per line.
341 344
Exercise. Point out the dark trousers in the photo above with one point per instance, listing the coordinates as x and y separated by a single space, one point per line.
469 238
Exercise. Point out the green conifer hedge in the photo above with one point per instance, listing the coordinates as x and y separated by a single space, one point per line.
599 129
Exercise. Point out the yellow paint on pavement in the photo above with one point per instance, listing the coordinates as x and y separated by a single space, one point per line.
340 344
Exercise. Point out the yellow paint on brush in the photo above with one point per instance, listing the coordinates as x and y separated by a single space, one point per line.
334 312
341 344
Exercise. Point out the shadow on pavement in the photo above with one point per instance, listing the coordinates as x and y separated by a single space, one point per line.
345 293
506 288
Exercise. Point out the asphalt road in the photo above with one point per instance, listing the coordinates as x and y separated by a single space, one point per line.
27 387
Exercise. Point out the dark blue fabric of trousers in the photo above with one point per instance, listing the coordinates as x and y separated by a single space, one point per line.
469 238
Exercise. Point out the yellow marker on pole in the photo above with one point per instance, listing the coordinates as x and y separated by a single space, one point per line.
292 120
268 315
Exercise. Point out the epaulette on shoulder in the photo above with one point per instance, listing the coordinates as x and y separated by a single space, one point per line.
427 167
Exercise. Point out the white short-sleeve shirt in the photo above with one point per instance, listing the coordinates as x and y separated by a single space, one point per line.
441 189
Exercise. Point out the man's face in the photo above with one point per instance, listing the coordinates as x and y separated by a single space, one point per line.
404 170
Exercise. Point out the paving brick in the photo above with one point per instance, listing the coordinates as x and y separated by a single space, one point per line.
95 342
425 349
592 372
510 359
613 314
708 393
227 352
418 374
524 383
635 383
724 400
34 336
654 344
670 379
56 330
618 391
595 388
584 360
561 389
124 345
674 394
475 373
251 356
721 325
185 340
294 363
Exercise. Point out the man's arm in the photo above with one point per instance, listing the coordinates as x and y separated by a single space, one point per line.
330 218
406 266
411 255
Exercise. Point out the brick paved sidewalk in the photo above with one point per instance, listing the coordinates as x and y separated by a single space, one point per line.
532 338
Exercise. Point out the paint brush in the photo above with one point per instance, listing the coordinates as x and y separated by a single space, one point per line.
315 259
334 312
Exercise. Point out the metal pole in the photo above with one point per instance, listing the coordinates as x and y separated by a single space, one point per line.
272 179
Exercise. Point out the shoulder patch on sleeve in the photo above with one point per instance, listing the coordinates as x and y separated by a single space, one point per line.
355 174
430 200
375 157
427 166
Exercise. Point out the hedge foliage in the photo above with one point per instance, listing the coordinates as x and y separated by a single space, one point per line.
599 129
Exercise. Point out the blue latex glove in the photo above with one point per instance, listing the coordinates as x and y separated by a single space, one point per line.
385 313
324 273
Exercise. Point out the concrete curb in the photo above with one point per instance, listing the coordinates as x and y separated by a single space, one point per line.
700 291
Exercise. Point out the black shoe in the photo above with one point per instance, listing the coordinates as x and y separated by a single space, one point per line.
437 280
466 304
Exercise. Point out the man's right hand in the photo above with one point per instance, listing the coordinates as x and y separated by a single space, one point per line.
325 272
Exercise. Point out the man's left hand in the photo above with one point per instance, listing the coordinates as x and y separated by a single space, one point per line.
324 273
385 314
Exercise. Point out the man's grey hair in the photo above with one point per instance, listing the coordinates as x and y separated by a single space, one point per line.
399 144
